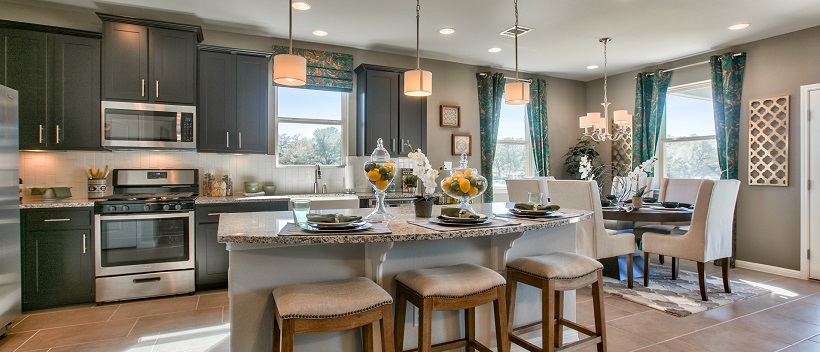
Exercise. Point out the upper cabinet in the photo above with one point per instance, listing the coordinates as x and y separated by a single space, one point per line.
149 61
383 111
233 100
57 73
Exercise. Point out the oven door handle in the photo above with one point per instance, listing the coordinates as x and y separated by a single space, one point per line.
144 216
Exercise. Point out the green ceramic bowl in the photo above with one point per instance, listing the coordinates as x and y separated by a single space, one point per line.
251 187
269 190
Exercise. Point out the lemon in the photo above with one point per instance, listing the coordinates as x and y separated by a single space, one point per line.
381 184
468 172
464 185
473 191
374 175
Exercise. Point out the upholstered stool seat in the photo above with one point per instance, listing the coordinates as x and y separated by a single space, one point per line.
462 286
553 274
332 306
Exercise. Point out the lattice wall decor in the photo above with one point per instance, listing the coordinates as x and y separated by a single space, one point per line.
622 155
769 141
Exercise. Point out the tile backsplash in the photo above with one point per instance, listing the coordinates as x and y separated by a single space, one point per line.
49 169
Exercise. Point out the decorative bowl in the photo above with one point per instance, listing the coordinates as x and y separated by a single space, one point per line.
464 184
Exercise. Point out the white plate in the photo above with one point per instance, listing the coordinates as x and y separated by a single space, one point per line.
313 229
337 225
445 223
531 212
655 207
554 214
461 220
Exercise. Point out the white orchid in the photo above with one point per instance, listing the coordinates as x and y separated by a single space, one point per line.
585 168
640 171
425 171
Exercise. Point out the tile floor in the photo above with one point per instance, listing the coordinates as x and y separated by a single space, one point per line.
786 320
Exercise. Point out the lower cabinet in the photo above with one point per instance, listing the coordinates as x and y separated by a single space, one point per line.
57 257
211 256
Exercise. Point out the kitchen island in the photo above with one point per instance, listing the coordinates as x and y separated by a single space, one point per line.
261 260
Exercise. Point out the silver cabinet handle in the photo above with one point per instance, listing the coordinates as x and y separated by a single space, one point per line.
394 145
85 248
214 214
40 138
56 220
142 87
157 89
240 140
227 139
402 146
57 138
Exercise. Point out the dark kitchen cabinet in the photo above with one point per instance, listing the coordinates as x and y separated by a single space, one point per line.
149 61
233 100
58 77
57 257
383 111
211 256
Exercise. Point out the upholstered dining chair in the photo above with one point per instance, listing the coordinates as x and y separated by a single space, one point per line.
672 190
518 189
709 236
591 238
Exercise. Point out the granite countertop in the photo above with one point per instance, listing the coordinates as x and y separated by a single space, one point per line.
35 202
240 197
263 228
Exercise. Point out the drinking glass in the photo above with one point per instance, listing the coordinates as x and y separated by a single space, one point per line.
301 207
534 198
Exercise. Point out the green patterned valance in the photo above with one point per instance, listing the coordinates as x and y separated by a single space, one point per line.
325 70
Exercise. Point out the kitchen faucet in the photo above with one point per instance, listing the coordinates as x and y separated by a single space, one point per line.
317 175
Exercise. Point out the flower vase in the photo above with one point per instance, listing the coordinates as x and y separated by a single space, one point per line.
424 207
637 202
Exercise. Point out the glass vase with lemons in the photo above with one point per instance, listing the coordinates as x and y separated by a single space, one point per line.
380 172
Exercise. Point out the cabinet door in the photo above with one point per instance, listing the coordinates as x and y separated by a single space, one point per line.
58 268
252 80
75 93
412 123
381 110
217 104
173 66
125 62
25 69
211 258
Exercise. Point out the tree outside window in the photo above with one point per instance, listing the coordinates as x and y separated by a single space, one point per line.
513 150
310 126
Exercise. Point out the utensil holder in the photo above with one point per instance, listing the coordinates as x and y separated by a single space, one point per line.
96 188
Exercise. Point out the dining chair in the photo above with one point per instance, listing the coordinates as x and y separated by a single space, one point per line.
672 190
518 189
591 238
709 236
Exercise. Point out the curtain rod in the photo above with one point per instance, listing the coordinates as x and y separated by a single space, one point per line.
687 66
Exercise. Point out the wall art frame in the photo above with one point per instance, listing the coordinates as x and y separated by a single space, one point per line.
462 143
449 116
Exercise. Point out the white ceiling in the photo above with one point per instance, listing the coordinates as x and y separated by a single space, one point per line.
564 40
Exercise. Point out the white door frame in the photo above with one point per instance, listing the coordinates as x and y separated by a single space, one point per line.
804 178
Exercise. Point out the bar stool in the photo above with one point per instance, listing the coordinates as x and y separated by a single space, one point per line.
332 306
462 286
555 273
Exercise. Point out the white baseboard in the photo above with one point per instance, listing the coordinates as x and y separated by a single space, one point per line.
768 269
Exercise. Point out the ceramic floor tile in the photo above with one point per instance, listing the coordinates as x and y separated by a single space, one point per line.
226 314
813 299
626 305
12 341
182 321
723 338
585 313
772 326
196 342
156 306
805 346
655 326
78 334
619 340
213 300
65 318
126 344
675 345
798 310
751 275
801 287
816 338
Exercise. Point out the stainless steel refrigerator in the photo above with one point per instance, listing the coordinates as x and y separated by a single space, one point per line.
10 292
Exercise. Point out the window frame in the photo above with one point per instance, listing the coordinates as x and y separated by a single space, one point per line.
527 143
342 123
660 167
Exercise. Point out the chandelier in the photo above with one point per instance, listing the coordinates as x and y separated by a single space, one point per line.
596 126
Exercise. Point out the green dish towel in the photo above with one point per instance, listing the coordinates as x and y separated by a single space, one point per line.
528 206
332 218
459 213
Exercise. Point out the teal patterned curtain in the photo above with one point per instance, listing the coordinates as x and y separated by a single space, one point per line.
650 104
325 70
727 88
490 98
539 126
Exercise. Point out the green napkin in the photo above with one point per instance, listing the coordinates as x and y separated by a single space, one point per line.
459 213
528 206
62 192
332 218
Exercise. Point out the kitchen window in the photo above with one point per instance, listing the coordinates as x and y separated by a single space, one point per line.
310 126
687 147
513 149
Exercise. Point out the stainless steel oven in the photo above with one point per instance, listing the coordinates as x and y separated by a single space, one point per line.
142 125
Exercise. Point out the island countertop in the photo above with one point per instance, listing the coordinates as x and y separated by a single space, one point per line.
263 228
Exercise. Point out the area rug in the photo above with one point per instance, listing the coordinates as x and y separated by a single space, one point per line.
681 297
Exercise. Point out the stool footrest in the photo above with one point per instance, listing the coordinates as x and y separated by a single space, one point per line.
451 345
574 326
524 344
580 344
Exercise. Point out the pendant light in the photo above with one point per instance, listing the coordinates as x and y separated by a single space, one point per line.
418 82
596 126
517 92
289 69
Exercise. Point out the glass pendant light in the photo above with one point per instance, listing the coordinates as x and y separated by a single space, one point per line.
517 92
418 82
289 69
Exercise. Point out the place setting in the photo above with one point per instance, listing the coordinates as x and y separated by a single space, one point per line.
672 206
533 209
311 224
455 218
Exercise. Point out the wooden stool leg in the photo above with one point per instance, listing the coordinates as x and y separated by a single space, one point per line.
598 301
725 265
629 261
512 286
501 329
547 316
645 269
674 268
386 327
702 281
425 326
401 312
660 259
277 334
287 336
469 328
559 315
367 337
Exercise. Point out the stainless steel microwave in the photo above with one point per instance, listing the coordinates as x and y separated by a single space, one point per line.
153 126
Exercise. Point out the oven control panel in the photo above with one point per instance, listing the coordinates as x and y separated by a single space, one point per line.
158 207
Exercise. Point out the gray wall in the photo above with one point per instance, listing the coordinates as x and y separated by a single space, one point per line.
768 218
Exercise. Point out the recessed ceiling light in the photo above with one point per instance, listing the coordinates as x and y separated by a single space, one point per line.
494 50
447 30
592 67
739 26
319 33
301 6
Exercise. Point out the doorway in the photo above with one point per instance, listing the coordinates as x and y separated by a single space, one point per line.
810 207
